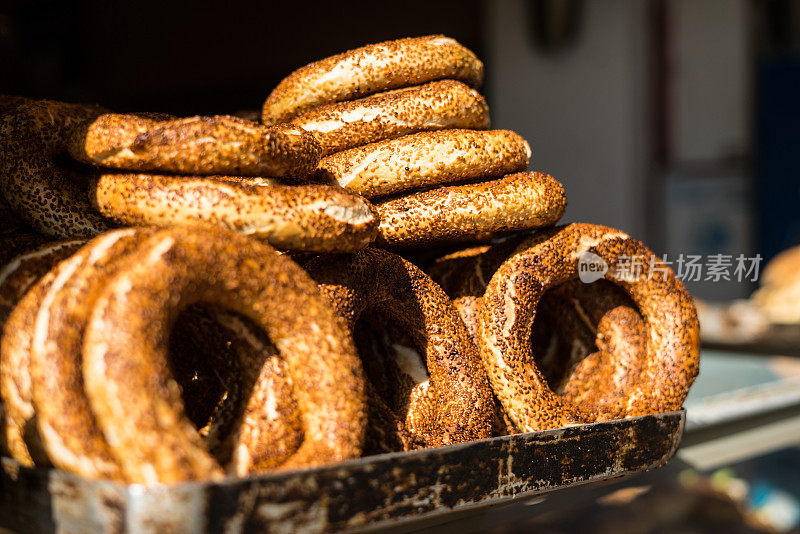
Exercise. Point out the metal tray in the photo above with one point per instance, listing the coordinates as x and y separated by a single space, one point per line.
386 490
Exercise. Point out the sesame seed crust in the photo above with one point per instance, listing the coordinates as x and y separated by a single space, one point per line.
125 356
49 196
305 217
433 106
549 258
220 144
516 202
372 69
425 160
459 407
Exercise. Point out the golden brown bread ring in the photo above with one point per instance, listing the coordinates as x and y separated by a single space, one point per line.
371 69
72 438
220 144
49 196
315 218
519 201
16 406
588 339
433 106
385 284
549 258
136 402
426 159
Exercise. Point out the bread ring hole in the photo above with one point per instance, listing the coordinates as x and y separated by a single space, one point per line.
203 363
579 328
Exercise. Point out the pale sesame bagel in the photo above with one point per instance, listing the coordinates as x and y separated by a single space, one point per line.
219 144
449 401
125 366
47 193
372 69
425 160
519 201
433 106
304 217
67 427
552 257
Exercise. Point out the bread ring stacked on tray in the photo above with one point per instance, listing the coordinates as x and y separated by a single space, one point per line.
401 122
226 297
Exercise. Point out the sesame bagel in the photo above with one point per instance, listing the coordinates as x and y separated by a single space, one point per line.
71 436
588 339
425 160
549 258
451 401
220 144
46 192
306 217
433 106
371 69
125 365
519 201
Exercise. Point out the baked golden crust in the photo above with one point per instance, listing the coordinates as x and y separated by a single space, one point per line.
316 218
549 258
453 403
433 106
516 202
125 358
72 439
371 69
220 144
50 197
425 160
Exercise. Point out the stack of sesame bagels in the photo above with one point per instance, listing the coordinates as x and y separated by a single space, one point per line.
193 298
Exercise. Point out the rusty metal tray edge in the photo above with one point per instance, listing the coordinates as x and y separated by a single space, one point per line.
381 490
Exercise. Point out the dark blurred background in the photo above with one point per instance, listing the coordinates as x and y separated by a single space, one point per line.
675 120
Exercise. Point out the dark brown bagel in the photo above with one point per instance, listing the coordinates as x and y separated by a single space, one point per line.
456 404
49 195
